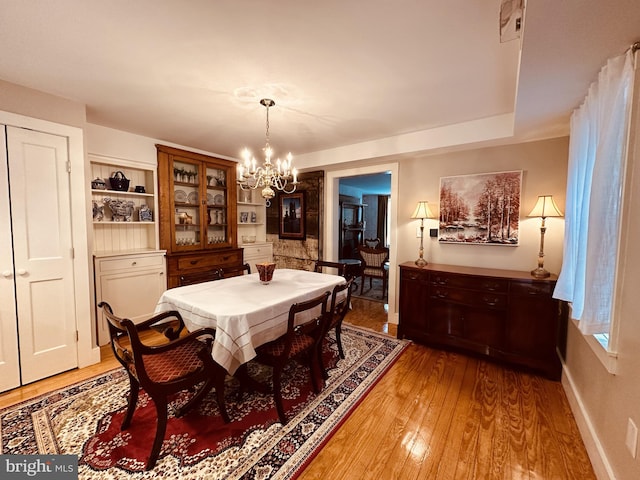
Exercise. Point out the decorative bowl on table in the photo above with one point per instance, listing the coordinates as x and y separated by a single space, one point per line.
265 271
248 238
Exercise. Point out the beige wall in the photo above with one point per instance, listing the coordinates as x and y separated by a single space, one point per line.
544 166
36 104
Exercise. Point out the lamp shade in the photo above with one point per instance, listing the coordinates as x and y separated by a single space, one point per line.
545 207
422 211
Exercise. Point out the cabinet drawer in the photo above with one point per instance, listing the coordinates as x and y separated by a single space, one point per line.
532 288
257 252
476 283
470 297
217 259
120 263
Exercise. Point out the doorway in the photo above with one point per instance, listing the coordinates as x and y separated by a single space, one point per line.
332 230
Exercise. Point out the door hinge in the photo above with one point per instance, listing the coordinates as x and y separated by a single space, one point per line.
77 336
73 253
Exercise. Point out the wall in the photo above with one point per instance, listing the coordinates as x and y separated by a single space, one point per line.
604 402
544 166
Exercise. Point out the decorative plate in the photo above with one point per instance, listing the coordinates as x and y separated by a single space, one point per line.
219 199
180 196
209 199
192 197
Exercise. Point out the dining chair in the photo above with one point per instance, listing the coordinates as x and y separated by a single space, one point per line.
337 311
321 265
235 270
180 363
300 341
373 266
200 277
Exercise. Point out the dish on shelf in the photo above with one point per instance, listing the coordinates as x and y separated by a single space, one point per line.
180 196
210 199
192 197
218 199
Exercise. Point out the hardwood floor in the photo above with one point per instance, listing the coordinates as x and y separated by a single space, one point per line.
434 415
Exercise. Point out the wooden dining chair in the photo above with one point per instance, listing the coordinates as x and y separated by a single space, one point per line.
235 270
301 341
372 242
340 306
373 265
321 266
178 364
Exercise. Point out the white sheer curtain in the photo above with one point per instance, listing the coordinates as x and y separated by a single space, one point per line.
597 152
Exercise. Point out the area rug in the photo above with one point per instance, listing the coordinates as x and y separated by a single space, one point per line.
84 419
374 293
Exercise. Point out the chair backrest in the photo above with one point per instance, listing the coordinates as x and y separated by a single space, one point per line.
235 270
200 277
321 265
340 306
373 257
124 337
300 320
372 242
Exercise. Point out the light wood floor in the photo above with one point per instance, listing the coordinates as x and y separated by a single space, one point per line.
434 415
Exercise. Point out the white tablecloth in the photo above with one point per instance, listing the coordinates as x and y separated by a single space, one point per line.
244 312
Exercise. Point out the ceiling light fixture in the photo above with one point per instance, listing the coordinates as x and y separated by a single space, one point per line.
268 176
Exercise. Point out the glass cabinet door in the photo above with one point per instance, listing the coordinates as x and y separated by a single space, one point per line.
186 200
217 202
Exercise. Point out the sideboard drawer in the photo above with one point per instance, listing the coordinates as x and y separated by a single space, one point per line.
128 262
211 260
470 282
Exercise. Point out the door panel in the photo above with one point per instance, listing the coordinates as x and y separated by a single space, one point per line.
41 219
9 363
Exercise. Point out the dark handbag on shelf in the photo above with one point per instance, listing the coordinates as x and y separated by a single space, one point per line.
119 182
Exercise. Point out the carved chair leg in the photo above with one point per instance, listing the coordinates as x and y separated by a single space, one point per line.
161 412
339 340
277 394
134 388
195 399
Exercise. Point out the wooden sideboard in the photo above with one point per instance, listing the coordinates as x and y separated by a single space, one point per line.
502 314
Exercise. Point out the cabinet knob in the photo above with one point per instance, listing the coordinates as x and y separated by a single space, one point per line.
133 264
6 273
22 271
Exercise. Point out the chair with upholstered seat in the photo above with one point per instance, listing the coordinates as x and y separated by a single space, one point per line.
235 270
373 266
301 341
180 363
340 306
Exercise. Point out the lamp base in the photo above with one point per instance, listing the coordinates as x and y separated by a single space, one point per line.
540 273
421 262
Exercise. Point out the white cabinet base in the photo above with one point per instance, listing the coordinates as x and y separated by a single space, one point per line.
131 284
257 253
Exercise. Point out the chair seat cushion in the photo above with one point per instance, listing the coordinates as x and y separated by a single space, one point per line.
299 344
374 272
175 363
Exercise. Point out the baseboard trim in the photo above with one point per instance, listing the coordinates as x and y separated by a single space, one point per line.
599 461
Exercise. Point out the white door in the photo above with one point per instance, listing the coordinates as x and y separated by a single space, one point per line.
43 252
9 362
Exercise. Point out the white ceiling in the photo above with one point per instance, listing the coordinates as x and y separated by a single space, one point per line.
340 71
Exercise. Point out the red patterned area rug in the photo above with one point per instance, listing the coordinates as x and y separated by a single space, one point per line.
84 419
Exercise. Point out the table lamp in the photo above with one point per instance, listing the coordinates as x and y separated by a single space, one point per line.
422 211
545 207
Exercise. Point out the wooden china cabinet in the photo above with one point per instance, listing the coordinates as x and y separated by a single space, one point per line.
197 203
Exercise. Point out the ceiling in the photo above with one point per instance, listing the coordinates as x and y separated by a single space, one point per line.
341 72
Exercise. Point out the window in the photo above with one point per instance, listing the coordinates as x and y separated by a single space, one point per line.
597 157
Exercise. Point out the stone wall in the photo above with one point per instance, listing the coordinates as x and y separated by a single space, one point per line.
300 254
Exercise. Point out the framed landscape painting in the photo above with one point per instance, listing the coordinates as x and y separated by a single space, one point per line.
480 209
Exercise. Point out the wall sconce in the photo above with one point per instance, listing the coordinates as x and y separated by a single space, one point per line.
545 207
422 211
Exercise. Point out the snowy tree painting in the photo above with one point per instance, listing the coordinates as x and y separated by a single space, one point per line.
481 208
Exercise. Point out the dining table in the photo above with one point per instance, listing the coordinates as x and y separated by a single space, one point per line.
245 312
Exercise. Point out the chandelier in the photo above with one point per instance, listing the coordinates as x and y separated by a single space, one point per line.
268 176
